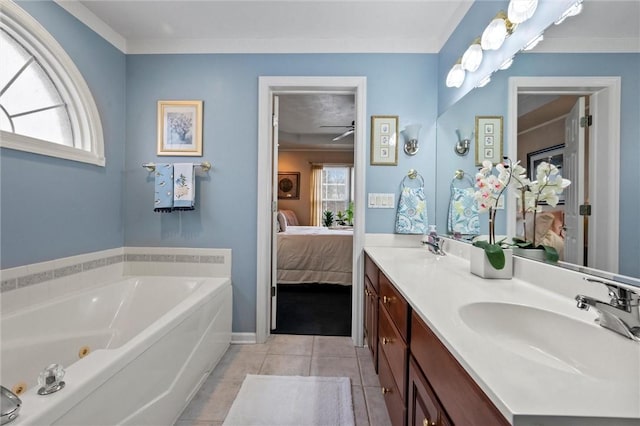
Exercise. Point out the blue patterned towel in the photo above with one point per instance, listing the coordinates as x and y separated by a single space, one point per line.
411 216
163 200
184 187
463 212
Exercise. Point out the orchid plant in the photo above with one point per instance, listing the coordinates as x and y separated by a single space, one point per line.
491 183
547 187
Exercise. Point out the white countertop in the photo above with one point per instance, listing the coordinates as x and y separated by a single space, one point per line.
593 380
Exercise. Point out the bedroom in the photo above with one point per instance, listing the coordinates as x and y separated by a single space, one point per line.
315 175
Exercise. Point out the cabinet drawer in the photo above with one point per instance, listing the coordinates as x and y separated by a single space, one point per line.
395 304
395 404
371 270
463 400
395 350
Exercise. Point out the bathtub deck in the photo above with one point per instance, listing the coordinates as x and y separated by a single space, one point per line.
289 355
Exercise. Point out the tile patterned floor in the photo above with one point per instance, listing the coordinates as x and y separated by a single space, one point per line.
289 355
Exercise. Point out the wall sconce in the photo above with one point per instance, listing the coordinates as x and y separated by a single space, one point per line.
411 133
463 145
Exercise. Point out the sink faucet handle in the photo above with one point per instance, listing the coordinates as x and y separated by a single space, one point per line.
620 296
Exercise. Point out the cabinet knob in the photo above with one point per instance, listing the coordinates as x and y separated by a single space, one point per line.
387 300
386 340
385 390
427 422
367 292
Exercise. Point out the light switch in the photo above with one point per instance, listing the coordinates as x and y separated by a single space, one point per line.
381 201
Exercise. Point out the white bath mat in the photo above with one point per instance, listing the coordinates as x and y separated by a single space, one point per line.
292 401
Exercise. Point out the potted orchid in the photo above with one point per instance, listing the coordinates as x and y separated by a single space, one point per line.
547 188
491 183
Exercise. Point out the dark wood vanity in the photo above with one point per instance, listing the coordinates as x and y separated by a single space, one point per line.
422 383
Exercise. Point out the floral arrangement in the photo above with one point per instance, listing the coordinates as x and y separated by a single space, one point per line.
547 187
491 183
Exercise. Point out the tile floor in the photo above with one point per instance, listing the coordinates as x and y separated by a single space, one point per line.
289 355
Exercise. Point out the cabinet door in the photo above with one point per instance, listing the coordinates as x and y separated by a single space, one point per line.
424 408
371 320
371 270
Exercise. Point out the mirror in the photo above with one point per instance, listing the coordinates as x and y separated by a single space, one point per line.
612 234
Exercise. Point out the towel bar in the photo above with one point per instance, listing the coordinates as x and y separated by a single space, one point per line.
205 165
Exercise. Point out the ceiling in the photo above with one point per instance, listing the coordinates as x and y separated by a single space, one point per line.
335 26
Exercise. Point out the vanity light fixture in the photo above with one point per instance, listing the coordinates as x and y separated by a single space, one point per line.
411 133
472 57
456 75
463 145
496 32
533 43
573 10
521 10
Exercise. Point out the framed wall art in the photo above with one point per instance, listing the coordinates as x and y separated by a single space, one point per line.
384 140
288 185
488 139
180 128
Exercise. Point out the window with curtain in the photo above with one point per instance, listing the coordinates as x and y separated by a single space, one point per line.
332 189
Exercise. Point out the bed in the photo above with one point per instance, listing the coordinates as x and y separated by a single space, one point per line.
315 254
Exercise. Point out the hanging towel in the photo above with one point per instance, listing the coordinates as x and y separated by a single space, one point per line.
463 212
184 186
411 216
163 200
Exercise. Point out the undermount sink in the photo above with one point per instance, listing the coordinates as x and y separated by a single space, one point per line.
554 340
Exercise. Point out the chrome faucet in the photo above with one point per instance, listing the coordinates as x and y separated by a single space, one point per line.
621 314
10 405
435 243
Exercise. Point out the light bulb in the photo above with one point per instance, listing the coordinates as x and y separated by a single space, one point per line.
521 10
493 36
456 75
472 58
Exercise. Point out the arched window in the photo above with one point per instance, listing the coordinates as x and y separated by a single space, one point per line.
45 104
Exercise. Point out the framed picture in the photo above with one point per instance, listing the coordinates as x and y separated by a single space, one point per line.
488 139
180 128
288 185
384 140
552 155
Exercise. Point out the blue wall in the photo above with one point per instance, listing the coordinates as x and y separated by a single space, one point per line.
492 100
51 207
225 216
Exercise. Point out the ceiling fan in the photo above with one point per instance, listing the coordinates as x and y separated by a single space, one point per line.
350 130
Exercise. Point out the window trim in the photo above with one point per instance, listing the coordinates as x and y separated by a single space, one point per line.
83 112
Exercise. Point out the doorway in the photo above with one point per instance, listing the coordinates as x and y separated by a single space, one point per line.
270 87
604 156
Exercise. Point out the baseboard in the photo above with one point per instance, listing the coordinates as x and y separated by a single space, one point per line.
243 338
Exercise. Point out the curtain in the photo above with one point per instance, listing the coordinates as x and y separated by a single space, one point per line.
315 215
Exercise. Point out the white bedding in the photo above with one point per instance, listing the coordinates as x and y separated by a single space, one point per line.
315 254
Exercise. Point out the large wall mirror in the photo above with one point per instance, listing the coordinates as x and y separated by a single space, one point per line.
538 97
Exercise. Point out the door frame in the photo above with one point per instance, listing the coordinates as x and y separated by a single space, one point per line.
604 139
276 85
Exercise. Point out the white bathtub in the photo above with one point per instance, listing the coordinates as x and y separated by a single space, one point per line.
152 340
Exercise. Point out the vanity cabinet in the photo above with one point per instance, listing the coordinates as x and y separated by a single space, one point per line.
371 308
422 383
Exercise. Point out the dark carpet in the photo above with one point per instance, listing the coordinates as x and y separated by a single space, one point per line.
319 309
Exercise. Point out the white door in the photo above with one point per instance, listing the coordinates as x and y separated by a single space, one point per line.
274 210
574 170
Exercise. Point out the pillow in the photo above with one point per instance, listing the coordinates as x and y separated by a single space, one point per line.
291 218
282 222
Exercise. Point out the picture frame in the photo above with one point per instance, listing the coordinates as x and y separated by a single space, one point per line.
384 140
180 128
489 138
288 185
553 155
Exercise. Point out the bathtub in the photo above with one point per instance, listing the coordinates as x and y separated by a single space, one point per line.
135 351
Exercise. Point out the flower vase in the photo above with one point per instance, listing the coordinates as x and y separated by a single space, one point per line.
480 266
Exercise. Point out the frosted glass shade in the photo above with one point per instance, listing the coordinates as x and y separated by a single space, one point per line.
456 75
412 131
521 10
493 36
472 58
